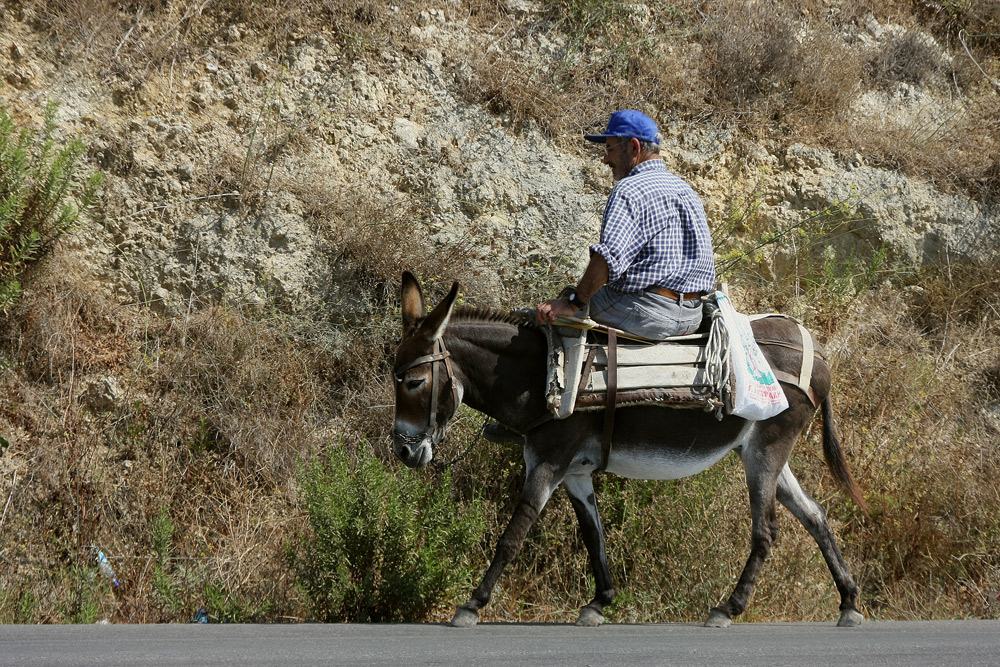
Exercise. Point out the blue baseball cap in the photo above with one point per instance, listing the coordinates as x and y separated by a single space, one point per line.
630 124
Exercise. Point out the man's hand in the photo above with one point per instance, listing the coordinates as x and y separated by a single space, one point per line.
595 276
548 311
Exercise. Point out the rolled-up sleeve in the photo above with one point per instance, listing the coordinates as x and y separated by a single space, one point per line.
620 235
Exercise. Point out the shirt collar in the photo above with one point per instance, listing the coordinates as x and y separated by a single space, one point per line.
653 164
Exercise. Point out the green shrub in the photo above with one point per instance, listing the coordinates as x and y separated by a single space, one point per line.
85 590
224 606
581 18
40 196
161 541
17 606
382 546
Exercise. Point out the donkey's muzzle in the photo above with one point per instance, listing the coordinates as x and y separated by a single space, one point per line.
413 450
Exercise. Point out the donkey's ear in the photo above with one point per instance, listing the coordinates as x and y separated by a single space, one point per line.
412 300
435 324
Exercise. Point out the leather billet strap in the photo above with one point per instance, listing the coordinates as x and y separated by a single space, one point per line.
609 408
588 365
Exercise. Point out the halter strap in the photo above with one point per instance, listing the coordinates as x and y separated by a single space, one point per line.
440 353
419 361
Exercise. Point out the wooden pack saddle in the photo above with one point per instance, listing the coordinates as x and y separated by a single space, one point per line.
589 362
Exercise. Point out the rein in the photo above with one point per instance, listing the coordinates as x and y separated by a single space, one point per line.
438 465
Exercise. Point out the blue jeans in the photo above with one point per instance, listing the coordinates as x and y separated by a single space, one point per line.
645 314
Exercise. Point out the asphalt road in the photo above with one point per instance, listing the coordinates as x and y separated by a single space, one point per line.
906 644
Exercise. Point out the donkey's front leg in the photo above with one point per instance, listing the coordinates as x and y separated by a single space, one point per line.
762 473
581 495
540 482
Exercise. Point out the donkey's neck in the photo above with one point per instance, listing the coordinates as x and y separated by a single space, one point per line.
501 367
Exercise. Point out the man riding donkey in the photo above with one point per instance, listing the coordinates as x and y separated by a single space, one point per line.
654 261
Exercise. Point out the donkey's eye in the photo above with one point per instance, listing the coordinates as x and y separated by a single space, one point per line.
415 384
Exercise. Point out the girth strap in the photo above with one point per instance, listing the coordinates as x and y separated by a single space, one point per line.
609 408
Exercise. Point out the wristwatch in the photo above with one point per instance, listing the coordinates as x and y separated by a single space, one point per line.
575 300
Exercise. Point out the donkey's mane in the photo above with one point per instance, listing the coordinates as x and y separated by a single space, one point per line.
469 314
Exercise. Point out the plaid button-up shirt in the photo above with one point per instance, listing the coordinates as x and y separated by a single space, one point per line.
654 233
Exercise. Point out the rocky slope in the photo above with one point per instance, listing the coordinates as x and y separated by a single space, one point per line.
297 132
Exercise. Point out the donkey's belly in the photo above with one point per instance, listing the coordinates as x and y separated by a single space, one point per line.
662 459
663 464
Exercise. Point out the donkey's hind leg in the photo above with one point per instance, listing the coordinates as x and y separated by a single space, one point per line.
581 494
811 514
541 480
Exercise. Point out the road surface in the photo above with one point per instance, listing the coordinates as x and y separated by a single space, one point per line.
902 644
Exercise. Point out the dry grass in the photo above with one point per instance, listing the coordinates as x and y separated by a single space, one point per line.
218 406
214 413
928 459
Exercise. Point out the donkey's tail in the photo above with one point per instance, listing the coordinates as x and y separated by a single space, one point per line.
835 460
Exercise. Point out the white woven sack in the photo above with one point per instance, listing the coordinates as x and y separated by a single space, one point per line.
756 393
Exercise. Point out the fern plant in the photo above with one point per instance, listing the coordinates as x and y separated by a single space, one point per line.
41 196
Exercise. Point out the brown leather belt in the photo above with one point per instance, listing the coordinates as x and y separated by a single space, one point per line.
670 294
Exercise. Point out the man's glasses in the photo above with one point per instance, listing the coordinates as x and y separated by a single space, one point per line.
608 146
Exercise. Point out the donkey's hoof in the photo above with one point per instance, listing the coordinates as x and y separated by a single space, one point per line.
590 618
718 619
464 618
850 618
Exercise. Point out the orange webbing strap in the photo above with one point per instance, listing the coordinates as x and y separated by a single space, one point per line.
609 407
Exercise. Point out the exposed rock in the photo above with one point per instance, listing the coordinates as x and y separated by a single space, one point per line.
916 223
407 133
103 394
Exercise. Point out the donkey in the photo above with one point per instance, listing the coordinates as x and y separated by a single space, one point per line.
496 364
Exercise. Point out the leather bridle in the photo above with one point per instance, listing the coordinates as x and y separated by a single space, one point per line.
441 354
